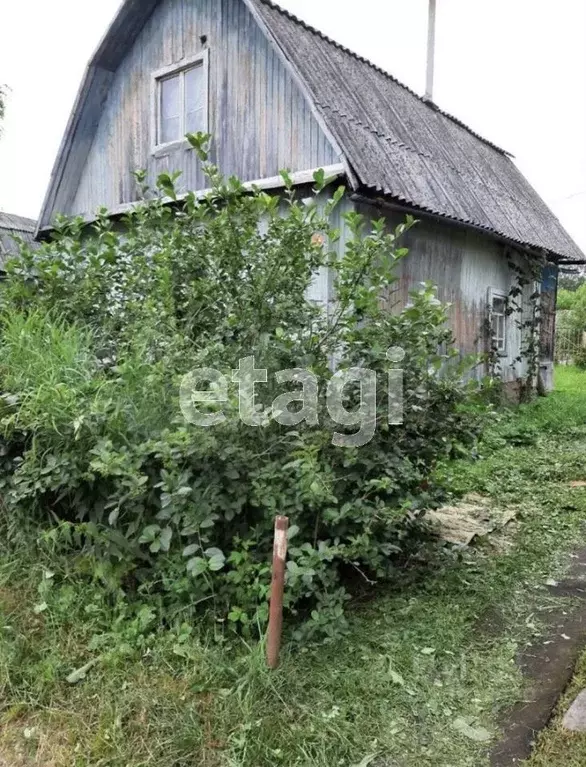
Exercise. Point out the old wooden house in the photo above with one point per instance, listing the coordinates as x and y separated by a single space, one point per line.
12 229
276 93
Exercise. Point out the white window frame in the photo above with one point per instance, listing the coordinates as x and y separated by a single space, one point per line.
498 295
201 60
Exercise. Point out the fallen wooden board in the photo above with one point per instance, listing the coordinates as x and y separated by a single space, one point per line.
474 517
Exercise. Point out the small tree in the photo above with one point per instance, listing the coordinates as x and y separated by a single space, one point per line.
99 331
570 281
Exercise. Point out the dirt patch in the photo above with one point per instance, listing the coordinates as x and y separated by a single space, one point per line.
27 743
492 623
549 667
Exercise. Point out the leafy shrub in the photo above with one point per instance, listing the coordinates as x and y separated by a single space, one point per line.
580 358
566 299
98 330
575 302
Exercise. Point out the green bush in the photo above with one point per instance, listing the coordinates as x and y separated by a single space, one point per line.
579 358
566 299
575 302
98 330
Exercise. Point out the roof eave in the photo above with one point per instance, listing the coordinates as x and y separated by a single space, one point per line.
378 197
303 87
63 152
101 59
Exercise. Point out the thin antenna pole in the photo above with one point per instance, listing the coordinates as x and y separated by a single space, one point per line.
431 51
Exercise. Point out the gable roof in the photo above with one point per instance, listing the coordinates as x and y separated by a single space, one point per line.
404 147
11 226
394 143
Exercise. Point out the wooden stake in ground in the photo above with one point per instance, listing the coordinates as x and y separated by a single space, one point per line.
277 591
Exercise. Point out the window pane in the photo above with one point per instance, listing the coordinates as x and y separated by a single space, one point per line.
195 100
498 305
195 122
170 122
194 89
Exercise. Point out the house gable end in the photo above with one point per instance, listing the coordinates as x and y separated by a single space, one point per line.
260 118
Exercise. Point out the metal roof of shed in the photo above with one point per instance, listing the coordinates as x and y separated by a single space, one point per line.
11 226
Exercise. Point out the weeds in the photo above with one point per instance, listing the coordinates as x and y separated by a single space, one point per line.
426 666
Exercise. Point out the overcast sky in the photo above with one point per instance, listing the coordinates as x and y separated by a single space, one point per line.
514 70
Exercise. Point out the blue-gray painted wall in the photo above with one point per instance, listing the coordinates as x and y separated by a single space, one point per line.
464 265
260 121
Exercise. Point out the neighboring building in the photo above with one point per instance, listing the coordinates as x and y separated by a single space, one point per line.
275 93
11 227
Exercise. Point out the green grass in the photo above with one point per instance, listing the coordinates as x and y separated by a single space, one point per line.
436 649
557 747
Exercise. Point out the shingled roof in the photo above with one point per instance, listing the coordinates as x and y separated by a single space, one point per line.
403 147
394 143
11 226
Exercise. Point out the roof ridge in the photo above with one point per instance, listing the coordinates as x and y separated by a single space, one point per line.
364 60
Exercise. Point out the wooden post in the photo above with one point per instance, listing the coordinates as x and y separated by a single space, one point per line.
277 591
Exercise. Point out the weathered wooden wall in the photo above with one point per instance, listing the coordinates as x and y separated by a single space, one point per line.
463 264
260 121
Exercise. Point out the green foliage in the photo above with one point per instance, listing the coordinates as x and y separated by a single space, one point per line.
571 325
571 280
526 310
580 358
164 695
98 330
566 299
576 302
578 318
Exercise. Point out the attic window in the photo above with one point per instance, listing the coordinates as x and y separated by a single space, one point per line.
181 101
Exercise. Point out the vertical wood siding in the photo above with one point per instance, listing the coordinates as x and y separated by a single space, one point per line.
260 121
464 265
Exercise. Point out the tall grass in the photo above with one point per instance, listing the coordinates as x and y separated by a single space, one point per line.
54 385
424 655
44 365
